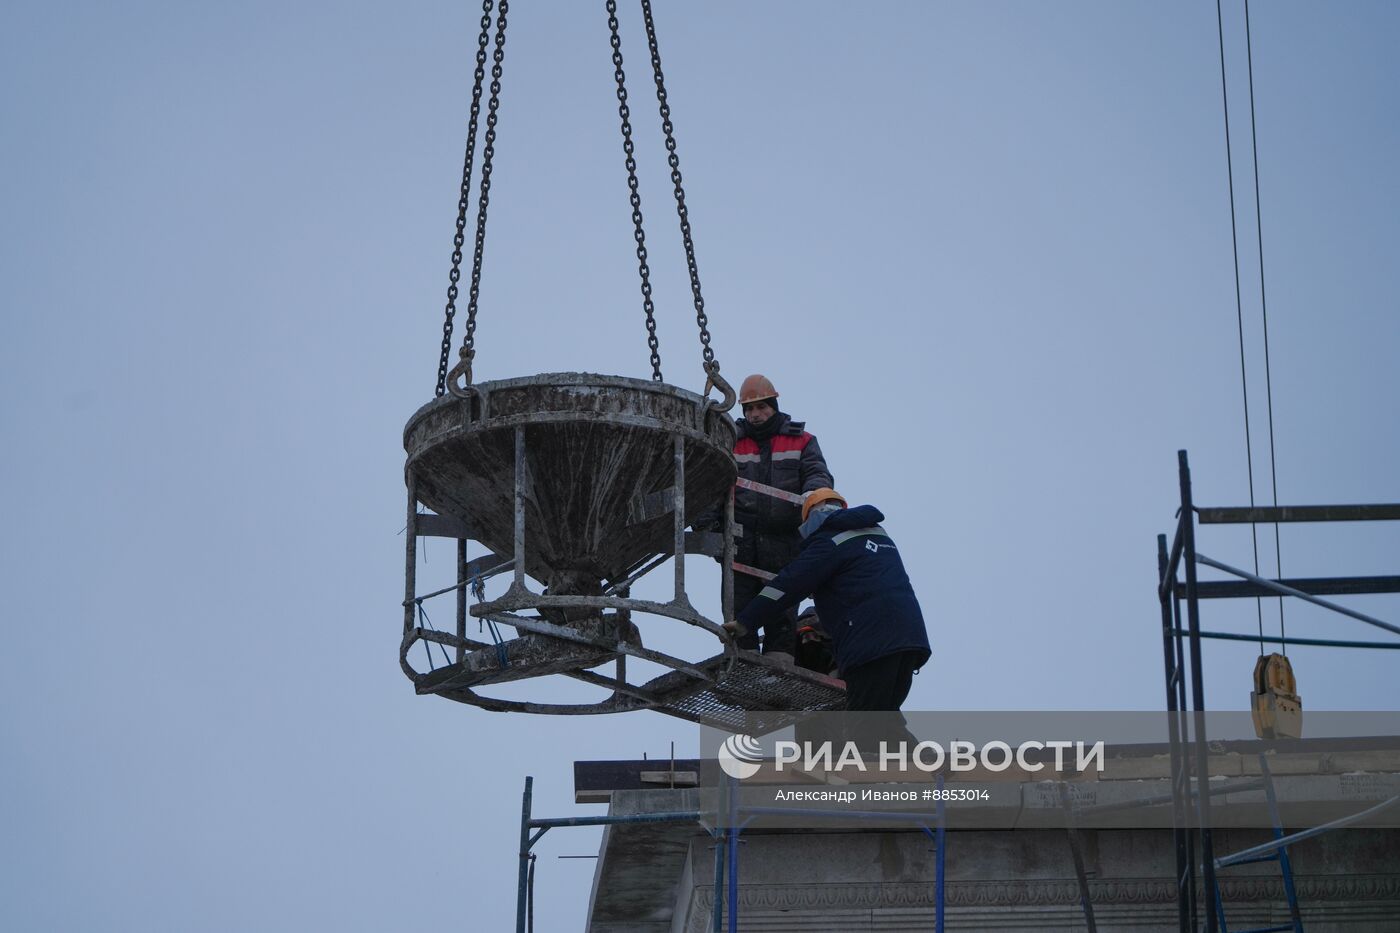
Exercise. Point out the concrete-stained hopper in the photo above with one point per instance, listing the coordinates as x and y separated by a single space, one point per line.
599 464
584 483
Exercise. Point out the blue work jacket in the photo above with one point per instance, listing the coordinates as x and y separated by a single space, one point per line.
852 570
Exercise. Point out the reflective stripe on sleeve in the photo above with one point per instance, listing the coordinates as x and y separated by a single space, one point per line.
771 592
858 532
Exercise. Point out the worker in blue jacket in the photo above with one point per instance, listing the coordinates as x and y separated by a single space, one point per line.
852 569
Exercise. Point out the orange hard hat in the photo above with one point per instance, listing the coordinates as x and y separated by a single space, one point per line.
756 388
817 496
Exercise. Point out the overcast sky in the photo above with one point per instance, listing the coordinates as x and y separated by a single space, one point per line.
983 248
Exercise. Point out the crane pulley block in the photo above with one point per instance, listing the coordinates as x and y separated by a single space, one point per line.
1274 703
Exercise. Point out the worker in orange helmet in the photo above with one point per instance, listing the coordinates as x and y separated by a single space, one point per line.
851 568
774 450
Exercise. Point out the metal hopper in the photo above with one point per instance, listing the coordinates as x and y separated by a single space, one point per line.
584 483
598 460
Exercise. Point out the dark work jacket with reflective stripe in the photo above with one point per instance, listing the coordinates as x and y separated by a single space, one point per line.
789 459
852 570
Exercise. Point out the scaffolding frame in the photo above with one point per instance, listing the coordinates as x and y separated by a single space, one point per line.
726 882
1182 669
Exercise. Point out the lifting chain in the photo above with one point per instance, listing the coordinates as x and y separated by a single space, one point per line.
467 162
710 364
463 369
449 379
634 195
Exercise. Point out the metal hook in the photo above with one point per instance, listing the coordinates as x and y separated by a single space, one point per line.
714 380
463 371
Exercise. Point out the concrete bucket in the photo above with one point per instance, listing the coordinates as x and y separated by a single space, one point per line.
599 463
584 483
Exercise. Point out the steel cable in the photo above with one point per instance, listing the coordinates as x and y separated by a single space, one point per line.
1264 311
1239 306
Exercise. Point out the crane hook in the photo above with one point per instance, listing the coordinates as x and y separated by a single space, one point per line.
714 380
463 371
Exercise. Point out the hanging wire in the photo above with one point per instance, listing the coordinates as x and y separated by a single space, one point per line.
428 624
1264 308
478 588
501 654
1239 307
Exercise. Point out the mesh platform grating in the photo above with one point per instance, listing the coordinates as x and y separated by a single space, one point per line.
756 696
